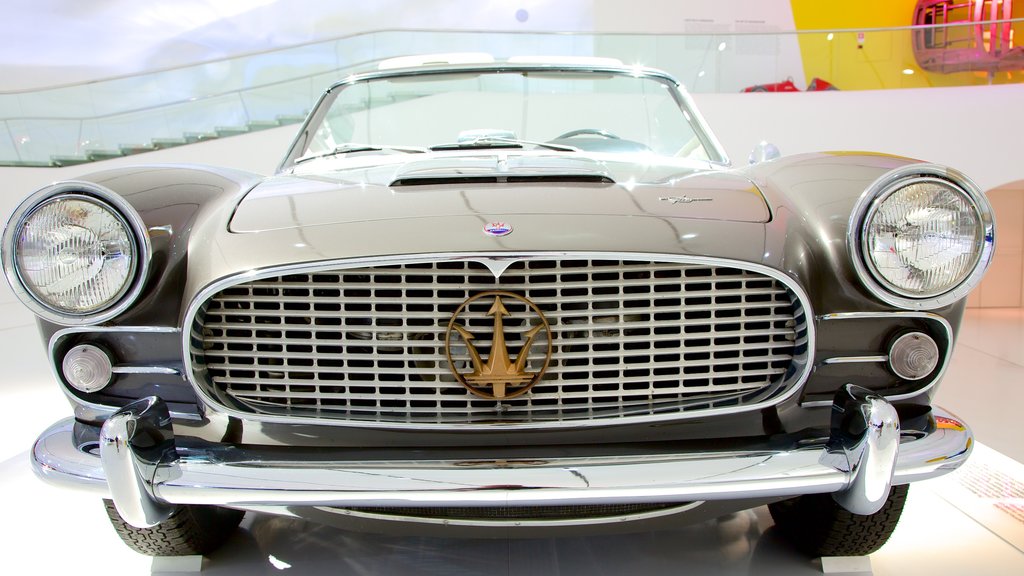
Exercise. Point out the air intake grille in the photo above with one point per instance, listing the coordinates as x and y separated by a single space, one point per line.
628 338
526 513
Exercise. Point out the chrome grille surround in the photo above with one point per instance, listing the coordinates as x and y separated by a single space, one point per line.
360 342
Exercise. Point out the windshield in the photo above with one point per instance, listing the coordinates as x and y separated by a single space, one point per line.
532 109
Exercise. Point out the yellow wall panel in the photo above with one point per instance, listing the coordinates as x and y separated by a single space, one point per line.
872 59
832 14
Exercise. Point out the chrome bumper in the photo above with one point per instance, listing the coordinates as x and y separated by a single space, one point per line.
139 468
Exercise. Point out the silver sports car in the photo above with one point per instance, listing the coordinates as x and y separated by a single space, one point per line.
490 296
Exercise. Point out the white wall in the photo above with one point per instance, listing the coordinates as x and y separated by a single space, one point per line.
976 129
1003 286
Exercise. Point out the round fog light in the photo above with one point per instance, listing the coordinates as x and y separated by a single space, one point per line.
913 356
87 368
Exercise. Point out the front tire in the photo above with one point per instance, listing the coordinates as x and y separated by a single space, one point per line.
190 530
818 526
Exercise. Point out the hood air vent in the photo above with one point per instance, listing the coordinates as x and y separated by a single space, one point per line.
504 179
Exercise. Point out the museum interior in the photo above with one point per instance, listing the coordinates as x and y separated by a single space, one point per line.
90 86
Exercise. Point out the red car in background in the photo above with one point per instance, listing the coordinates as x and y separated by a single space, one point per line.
816 85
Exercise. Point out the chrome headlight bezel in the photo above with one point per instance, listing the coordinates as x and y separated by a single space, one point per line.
106 199
882 189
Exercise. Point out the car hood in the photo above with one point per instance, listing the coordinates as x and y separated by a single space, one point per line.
496 186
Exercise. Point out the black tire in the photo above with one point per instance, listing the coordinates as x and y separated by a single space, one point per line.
817 526
190 530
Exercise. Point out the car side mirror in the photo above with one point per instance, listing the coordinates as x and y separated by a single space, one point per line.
763 152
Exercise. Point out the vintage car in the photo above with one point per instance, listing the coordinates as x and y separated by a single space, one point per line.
503 297
815 85
951 36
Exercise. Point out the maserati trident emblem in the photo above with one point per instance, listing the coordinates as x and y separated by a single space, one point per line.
501 375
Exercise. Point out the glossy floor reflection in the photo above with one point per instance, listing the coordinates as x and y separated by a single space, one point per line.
713 548
967 523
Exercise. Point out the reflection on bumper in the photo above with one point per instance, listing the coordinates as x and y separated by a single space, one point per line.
169 479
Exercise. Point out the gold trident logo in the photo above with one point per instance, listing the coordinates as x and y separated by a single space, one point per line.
500 377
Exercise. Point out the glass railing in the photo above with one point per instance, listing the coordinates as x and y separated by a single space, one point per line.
114 117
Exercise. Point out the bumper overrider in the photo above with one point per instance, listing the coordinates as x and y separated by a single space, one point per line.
139 467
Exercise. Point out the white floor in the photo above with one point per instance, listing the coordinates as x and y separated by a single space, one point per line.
970 522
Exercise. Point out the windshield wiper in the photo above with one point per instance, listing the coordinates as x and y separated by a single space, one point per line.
350 148
498 142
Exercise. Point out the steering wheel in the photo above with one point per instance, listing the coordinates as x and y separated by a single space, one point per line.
588 132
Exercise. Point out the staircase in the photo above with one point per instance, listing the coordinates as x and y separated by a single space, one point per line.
69 125
98 154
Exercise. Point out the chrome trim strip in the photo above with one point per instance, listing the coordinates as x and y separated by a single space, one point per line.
102 408
855 359
232 477
129 369
907 314
120 206
923 315
65 332
482 257
882 188
565 522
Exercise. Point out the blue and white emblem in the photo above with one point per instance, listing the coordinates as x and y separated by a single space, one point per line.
497 229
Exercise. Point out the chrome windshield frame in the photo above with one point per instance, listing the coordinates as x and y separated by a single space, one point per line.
716 153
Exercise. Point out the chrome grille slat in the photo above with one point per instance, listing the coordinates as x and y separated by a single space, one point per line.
418 315
486 342
440 330
348 277
428 404
629 337
417 398
442 300
552 370
621 409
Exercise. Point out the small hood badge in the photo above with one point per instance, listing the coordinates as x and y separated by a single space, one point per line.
683 199
497 229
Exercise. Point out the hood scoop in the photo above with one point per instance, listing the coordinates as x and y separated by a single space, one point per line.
501 169
516 179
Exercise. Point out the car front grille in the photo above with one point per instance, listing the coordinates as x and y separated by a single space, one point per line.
520 513
628 338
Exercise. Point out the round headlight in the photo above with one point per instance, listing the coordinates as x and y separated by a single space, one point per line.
75 254
924 240
72 255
